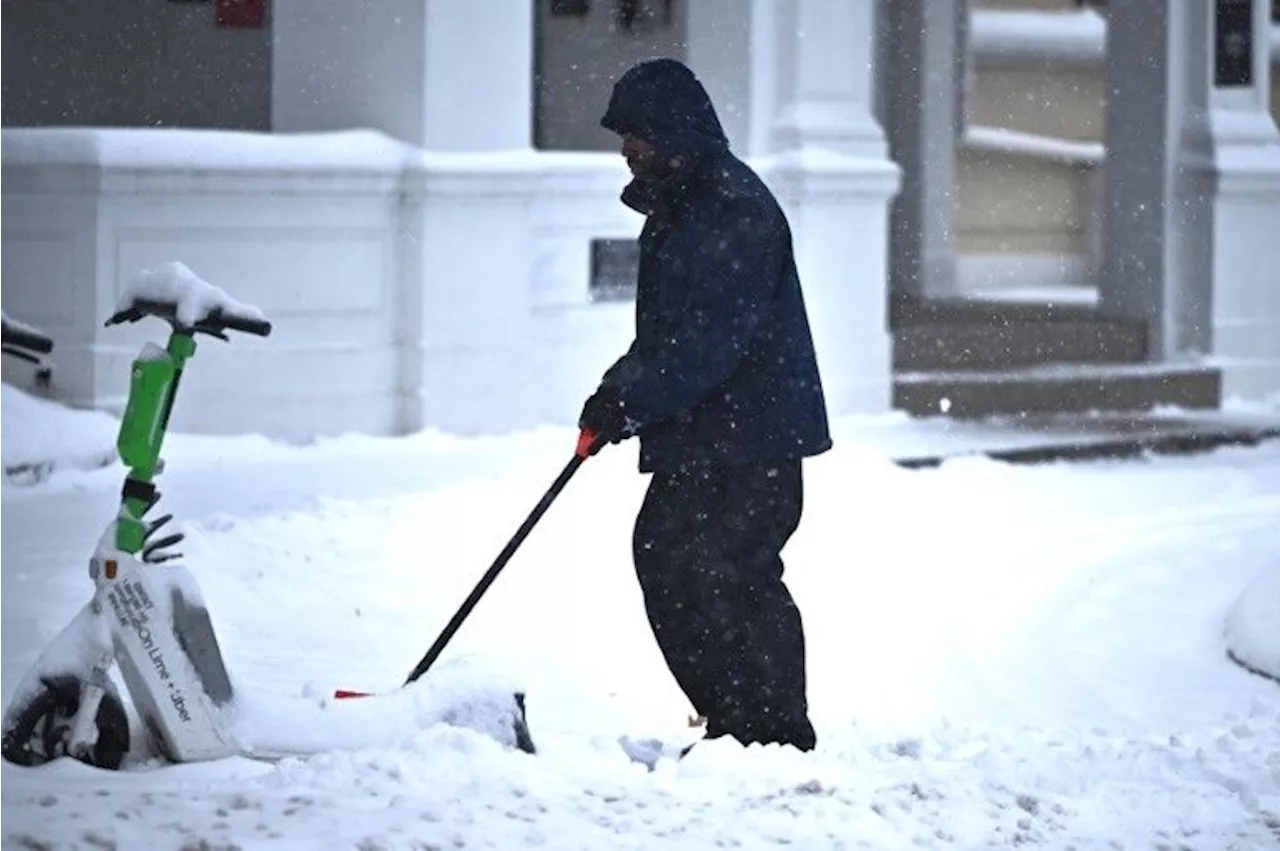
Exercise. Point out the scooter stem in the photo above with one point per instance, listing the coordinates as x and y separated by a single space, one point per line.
153 387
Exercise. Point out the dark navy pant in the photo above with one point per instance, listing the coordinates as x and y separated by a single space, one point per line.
707 551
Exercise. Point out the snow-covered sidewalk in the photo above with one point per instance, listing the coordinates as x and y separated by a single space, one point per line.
999 656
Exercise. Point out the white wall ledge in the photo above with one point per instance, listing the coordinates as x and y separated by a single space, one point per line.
112 161
146 149
827 171
1019 38
1003 37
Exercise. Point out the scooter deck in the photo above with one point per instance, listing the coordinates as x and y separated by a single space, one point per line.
170 659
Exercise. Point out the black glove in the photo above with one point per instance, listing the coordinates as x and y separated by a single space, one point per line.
605 416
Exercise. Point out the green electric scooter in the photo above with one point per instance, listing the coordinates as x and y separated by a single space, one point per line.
146 613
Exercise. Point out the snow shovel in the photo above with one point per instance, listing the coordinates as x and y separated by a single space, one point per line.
587 446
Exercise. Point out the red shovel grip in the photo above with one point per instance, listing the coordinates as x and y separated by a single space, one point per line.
343 693
586 443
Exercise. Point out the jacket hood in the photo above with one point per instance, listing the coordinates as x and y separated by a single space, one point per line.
663 103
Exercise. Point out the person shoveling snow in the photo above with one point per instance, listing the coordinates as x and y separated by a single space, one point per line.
722 387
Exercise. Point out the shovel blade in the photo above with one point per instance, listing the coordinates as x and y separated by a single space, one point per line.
519 717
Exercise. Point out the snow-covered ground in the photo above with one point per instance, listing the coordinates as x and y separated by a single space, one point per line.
65 440
999 656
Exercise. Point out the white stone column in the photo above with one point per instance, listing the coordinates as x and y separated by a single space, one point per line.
1246 211
468 242
434 73
823 56
1158 175
830 166
718 41
353 64
920 82
479 76
456 80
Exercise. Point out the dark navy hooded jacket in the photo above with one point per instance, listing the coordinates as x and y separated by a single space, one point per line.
722 369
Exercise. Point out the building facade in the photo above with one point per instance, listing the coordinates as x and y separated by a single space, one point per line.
998 207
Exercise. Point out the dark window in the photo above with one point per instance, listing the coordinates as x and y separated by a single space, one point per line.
1233 37
570 8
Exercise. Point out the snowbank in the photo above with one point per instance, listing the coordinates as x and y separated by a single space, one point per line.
40 437
1253 624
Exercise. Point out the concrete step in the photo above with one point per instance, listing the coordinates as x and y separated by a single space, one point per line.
912 310
987 345
1056 388
1039 438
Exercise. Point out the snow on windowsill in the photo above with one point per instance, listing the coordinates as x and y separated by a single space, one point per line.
1003 140
1031 36
1078 36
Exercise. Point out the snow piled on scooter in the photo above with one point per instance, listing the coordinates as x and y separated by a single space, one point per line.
458 693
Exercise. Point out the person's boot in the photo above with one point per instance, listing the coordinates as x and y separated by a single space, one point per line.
796 732
711 730
799 735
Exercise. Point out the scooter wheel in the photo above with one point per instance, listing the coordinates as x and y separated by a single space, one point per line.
39 732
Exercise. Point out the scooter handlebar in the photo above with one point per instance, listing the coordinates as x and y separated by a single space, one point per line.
214 323
26 338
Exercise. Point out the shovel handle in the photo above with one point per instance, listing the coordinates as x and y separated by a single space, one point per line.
587 446
587 442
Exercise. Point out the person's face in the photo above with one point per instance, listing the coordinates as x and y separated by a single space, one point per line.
643 159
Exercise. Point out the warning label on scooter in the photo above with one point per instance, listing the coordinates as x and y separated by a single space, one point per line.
135 612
